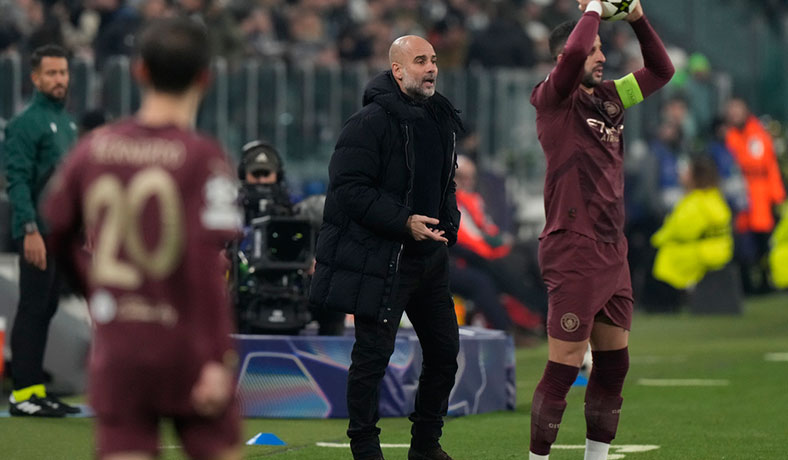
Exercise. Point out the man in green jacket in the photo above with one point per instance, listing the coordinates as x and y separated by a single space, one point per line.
36 140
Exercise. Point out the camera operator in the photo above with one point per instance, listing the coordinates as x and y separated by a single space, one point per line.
270 298
263 190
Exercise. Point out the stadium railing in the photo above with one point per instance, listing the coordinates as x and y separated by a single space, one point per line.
302 109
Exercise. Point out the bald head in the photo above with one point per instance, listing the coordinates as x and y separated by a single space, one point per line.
414 66
402 48
465 175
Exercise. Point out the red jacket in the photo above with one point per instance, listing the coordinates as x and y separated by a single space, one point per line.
752 147
477 232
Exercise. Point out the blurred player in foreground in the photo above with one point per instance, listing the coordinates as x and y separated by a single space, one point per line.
157 204
582 250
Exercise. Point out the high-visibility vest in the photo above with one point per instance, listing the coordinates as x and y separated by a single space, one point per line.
477 232
753 150
778 257
696 237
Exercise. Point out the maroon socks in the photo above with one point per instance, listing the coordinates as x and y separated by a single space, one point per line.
548 405
603 394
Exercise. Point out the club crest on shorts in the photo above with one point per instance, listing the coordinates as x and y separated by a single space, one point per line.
570 322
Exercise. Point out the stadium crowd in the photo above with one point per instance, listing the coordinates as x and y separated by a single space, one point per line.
510 33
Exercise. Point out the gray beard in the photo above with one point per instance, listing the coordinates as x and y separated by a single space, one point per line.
417 94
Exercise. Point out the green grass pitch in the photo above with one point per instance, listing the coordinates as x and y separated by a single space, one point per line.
742 412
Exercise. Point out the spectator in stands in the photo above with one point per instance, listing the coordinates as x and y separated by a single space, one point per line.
11 20
670 158
79 26
451 42
676 111
503 43
557 12
262 36
478 262
753 150
696 236
700 91
731 180
44 26
223 32
309 41
115 35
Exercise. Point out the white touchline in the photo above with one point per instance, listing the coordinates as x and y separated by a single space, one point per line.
630 448
617 451
347 445
657 359
619 448
776 357
683 382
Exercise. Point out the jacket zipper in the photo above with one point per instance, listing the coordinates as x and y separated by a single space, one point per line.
407 193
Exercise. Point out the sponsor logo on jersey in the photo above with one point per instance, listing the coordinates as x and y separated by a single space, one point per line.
607 134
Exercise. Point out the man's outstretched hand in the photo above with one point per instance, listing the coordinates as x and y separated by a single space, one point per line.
418 228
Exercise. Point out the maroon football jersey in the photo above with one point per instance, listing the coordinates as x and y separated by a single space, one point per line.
583 143
582 134
157 205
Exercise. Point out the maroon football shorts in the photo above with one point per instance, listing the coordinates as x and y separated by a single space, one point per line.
130 400
136 431
586 279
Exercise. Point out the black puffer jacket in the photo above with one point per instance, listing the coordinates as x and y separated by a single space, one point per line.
369 199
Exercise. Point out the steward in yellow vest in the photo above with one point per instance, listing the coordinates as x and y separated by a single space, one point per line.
778 258
696 236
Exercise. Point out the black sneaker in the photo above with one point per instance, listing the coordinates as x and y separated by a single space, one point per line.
33 407
436 453
55 403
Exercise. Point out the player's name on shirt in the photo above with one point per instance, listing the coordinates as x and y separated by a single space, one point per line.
131 308
108 148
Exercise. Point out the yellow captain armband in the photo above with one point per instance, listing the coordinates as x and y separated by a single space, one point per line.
628 90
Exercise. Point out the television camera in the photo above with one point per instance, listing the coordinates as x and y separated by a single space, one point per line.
271 264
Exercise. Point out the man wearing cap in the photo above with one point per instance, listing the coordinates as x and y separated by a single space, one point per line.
262 175
260 163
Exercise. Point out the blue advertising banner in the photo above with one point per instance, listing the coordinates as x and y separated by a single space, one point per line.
306 376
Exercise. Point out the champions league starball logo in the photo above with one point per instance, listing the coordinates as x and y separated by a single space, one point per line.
570 322
623 7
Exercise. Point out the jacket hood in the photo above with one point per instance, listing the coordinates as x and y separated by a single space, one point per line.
713 205
384 91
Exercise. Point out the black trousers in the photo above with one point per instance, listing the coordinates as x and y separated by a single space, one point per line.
423 292
479 287
39 292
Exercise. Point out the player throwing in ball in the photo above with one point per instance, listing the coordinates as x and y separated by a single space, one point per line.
582 250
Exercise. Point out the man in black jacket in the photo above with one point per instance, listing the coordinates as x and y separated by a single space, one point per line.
390 213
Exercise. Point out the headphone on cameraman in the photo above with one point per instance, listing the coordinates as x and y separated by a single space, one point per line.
247 157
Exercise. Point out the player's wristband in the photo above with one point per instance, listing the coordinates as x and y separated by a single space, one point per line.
595 6
628 90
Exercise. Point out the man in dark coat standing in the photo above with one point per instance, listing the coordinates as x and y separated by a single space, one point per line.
390 214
